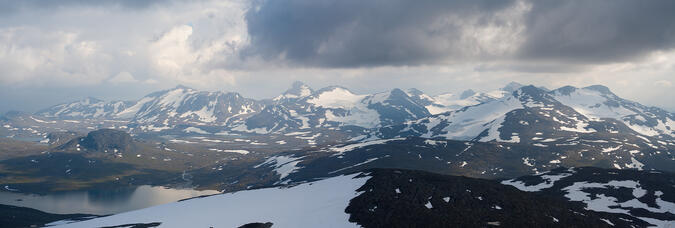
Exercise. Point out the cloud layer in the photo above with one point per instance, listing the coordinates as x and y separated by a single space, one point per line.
258 47
348 33
598 31
356 33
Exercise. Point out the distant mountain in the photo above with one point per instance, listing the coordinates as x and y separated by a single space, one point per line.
432 104
507 114
405 198
183 105
532 113
451 102
103 140
333 107
297 91
88 108
598 102
511 87
163 109
275 118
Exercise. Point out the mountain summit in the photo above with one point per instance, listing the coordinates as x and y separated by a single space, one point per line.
298 90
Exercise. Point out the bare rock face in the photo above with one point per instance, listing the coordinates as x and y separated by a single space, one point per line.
58 138
257 225
407 198
107 139
102 140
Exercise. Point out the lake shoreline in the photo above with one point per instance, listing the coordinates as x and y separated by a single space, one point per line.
101 201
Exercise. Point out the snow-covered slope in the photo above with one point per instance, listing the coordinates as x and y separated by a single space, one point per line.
341 106
432 105
317 204
450 101
532 113
335 97
333 107
182 105
481 122
297 91
598 102
467 98
273 118
88 108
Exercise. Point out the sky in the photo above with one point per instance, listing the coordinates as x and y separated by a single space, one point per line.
57 51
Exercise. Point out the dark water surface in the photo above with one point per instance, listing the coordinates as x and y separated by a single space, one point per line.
100 202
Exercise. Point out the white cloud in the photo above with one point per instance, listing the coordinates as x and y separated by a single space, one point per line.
188 43
30 56
197 43
172 52
663 83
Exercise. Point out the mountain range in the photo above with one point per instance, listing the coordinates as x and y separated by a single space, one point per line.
467 115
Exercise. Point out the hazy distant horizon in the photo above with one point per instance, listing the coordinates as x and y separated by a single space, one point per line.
69 95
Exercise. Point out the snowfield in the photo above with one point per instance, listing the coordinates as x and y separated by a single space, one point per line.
350 147
549 181
337 98
283 165
317 204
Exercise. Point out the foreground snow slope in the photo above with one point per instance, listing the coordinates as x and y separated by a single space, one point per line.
317 204
410 198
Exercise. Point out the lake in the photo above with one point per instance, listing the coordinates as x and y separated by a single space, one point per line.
102 201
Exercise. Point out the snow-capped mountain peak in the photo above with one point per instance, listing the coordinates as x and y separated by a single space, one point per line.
88 107
512 86
600 88
182 105
466 94
298 90
300 107
598 102
420 97
335 97
449 101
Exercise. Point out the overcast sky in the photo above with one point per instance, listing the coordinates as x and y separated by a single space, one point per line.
53 51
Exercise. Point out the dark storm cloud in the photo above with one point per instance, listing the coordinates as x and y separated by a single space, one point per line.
598 31
361 33
330 33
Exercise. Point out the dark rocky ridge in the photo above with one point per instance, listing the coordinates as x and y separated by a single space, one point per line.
102 140
489 160
13 216
107 139
653 186
58 138
406 198
257 225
